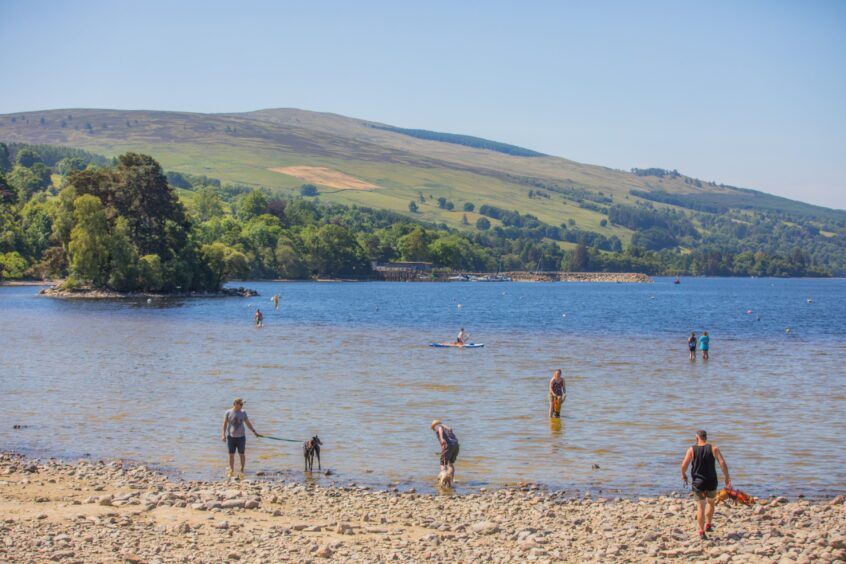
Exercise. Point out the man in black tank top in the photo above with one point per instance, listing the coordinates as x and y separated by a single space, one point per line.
701 457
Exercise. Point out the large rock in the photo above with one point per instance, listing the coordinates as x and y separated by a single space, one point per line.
484 528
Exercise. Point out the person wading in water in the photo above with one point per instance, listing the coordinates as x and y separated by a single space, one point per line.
703 474
557 392
233 434
449 451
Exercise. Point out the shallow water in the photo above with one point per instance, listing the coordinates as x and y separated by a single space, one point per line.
349 361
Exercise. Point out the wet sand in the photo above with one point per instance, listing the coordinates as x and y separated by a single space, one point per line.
117 512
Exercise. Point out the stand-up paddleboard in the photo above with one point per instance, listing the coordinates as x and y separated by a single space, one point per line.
457 346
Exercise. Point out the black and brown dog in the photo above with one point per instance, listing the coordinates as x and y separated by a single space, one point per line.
311 448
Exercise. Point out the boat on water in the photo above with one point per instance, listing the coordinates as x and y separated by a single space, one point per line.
677 280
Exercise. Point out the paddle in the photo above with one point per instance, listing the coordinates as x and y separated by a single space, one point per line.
279 439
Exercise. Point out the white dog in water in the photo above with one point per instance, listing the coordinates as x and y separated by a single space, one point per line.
445 479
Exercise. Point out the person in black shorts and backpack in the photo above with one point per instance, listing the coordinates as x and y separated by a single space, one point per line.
702 457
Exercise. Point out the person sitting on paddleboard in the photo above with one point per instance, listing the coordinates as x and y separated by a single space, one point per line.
462 337
557 392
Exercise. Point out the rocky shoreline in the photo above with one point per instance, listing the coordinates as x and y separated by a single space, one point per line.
88 293
117 512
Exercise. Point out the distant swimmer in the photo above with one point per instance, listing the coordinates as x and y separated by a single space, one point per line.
704 344
276 301
557 393
259 318
449 452
691 345
462 337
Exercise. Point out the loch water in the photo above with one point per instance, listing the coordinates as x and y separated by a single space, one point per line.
351 362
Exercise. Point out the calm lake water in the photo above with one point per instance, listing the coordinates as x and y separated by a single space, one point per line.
349 361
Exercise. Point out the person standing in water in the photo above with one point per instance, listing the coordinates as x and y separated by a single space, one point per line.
557 393
703 474
691 345
449 451
704 344
259 318
233 434
276 301
462 337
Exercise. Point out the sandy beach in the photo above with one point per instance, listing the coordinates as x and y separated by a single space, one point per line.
110 511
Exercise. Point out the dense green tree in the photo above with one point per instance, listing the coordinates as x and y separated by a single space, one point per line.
207 203
224 262
27 157
123 259
308 190
5 161
412 206
332 250
12 265
469 206
150 273
289 261
252 204
415 245
483 224
89 242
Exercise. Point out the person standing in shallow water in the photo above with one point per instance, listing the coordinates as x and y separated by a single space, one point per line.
704 344
691 345
703 475
233 434
449 451
259 318
557 393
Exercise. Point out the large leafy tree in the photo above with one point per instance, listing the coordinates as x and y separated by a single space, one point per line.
89 243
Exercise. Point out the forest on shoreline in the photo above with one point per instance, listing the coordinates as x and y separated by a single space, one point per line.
126 225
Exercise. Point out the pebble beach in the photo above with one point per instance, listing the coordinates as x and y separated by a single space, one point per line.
112 511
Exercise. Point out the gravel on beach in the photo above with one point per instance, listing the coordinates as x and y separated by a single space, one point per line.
117 512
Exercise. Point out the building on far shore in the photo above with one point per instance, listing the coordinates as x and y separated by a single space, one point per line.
402 271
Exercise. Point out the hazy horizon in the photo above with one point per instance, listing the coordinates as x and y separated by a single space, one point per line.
751 96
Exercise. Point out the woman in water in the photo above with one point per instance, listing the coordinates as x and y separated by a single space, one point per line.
691 345
704 344
557 393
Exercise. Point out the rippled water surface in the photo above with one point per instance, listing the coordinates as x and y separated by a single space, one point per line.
349 361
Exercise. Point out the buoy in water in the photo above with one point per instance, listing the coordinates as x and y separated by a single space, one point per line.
748 312
458 306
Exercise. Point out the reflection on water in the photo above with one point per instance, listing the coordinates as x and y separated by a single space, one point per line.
151 381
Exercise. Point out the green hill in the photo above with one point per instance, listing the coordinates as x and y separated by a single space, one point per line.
354 161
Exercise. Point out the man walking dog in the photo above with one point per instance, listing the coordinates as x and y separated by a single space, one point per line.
703 474
233 434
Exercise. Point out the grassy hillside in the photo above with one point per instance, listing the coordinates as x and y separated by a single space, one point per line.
407 165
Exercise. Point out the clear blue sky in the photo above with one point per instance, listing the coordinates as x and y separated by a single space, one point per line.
748 93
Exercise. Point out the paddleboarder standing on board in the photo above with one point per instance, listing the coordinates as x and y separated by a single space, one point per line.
557 393
233 434
276 301
462 337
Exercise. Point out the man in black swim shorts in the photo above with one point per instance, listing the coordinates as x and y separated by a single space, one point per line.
449 451
702 456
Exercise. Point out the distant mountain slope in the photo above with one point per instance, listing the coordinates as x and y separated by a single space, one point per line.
255 148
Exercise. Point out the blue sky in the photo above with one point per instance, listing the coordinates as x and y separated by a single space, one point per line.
748 93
